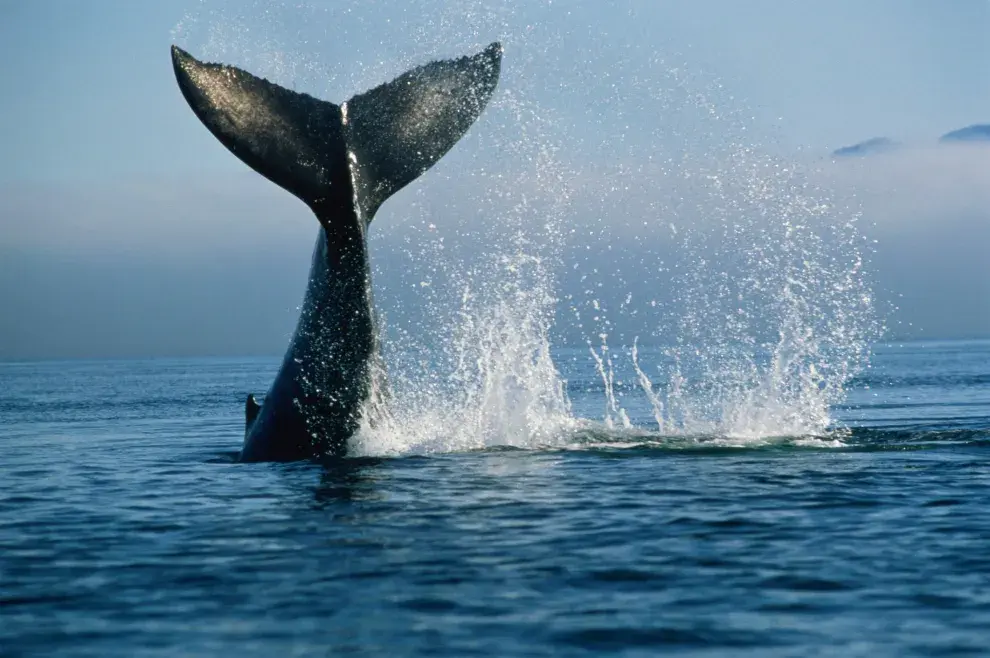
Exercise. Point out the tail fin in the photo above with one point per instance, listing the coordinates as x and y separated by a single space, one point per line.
383 139
399 129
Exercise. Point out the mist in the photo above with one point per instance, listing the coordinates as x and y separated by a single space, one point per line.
218 267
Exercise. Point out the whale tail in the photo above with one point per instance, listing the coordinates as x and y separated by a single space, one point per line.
379 141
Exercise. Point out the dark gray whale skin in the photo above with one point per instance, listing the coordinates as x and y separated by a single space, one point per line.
343 161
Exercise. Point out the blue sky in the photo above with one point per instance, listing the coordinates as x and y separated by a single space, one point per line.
90 92
108 176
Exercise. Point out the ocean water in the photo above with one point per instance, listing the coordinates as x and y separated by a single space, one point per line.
771 481
126 528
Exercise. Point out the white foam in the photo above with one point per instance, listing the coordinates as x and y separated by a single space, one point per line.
772 314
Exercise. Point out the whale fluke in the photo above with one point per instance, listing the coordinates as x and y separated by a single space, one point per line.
386 137
343 161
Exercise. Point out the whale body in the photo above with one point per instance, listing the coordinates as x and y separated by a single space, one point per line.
343 161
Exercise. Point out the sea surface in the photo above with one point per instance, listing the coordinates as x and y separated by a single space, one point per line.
126 529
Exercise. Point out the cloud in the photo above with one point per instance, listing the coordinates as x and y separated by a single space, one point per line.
919 184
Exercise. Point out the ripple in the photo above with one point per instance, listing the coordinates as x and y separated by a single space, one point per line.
123 540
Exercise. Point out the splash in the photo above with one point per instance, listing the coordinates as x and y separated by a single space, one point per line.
770 314
503 390
478 373
739 286
788 312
